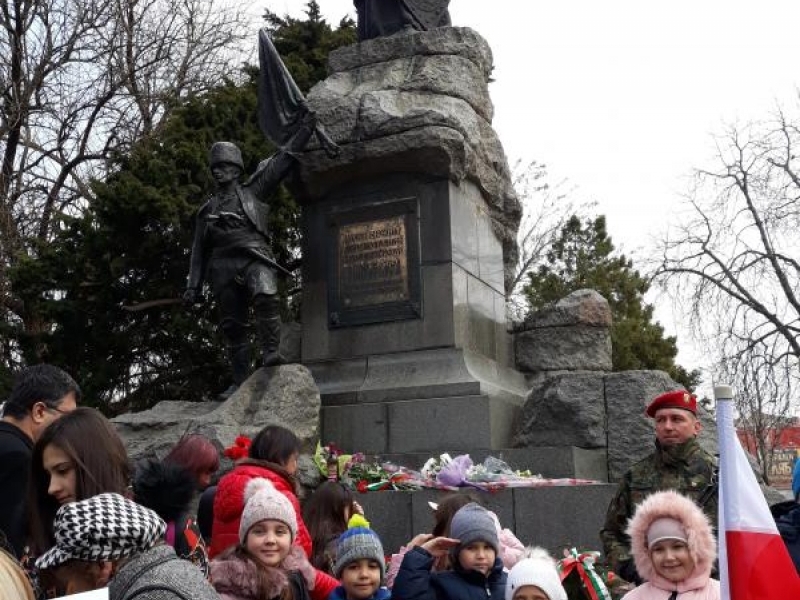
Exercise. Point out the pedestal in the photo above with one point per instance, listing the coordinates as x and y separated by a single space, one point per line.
403 318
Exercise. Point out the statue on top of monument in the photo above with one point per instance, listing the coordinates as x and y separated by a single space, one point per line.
377 18
231 239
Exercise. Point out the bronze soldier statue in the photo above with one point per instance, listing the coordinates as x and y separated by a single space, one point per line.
231 238
231 247
678 463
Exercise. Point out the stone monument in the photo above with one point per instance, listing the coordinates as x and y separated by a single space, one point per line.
409 235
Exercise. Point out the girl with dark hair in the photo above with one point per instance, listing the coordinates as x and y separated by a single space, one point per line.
326 514
272 456
198 455
78 456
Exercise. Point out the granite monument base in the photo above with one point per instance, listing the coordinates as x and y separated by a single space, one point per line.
553 517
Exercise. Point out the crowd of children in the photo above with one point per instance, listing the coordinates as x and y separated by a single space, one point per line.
93 530
95 521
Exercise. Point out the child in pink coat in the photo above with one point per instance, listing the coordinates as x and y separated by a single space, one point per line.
674 549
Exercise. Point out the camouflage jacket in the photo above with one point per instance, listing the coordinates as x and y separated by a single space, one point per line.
686 468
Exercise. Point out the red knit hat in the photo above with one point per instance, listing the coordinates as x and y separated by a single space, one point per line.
675 399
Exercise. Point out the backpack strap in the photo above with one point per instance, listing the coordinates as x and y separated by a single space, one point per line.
132 581
158 587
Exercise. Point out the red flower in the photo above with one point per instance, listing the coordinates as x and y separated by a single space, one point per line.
240 448
361 486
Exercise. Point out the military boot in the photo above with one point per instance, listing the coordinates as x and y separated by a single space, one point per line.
268 329
239 356
269 336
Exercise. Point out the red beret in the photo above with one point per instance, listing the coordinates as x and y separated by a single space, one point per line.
675 399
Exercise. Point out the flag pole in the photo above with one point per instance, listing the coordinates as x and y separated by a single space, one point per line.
753 559
723 395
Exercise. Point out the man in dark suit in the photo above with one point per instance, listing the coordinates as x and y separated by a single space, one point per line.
41 394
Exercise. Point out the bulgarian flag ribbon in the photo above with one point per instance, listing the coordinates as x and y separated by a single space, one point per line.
583 565
753 561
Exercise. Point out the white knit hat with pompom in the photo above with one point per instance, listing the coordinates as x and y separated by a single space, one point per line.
536 567
262 502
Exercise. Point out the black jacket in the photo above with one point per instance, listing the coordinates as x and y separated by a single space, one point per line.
169 489
15 463
415 581
787 518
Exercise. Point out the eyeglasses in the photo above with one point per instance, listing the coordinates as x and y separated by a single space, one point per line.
55 409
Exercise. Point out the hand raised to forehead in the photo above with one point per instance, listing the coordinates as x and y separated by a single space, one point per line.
439 546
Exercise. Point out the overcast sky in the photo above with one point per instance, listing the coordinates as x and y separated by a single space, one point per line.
622 96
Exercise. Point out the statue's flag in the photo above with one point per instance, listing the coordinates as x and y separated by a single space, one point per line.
753 561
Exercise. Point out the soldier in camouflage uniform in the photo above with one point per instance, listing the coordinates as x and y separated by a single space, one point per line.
679 463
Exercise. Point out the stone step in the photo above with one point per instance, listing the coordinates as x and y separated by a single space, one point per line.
552 517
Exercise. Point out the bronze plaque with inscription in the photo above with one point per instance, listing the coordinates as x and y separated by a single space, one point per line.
374 264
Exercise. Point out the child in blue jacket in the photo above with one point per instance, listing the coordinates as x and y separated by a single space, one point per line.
477 570
360 564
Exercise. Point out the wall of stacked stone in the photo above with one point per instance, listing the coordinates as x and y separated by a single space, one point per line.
575 399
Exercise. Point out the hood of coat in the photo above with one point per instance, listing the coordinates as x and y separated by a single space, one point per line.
234 576
166 488
701 542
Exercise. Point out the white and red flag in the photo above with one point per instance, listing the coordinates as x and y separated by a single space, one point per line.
753 561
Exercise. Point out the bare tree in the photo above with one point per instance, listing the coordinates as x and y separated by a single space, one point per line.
732 261
734 257
80 80
764 398
546 208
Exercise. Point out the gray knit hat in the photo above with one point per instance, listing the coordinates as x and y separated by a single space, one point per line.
473 523
357 543
263 501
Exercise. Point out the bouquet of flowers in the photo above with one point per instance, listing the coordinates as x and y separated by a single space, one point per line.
433 466
366 476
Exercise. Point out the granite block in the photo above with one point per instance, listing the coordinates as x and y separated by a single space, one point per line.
481 337
389 515
464 230
439 424
362 427
561 517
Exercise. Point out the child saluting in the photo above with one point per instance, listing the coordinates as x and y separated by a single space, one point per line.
477 570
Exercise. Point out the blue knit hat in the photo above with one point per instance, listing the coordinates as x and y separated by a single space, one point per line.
358 542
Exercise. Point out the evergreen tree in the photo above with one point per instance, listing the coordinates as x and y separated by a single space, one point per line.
583 256
304 44
110 280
